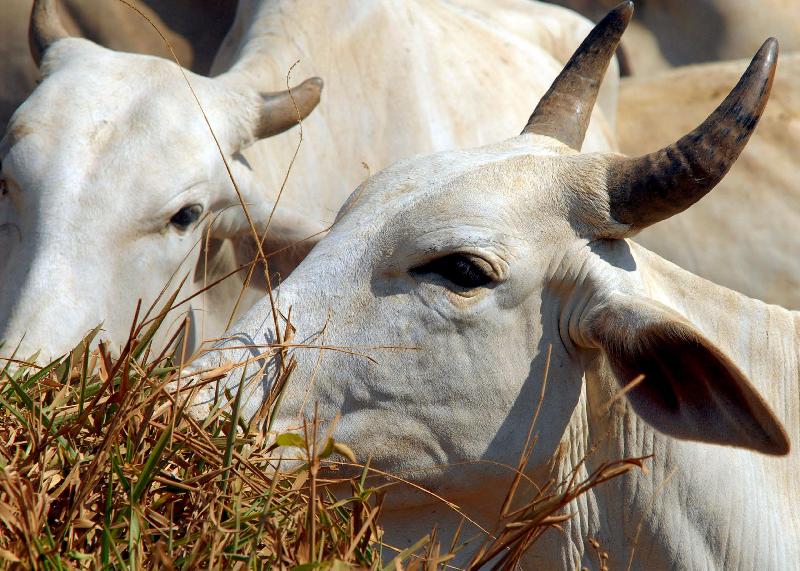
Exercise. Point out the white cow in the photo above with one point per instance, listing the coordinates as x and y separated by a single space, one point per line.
109 171
194 32
479 261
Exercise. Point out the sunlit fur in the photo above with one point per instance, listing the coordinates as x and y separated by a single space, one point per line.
439 385
111 145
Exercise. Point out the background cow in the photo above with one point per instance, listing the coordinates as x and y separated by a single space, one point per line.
476 270
111 175
672 33
195 28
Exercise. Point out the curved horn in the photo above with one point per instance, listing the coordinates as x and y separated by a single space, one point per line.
283 110
648 189
45 28
564 112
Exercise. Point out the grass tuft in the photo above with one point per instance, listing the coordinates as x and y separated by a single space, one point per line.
99 468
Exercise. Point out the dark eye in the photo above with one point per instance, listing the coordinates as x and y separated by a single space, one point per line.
186 216
459 269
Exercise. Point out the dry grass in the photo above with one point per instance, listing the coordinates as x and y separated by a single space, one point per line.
100 468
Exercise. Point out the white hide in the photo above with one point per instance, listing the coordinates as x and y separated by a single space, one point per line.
438 384
111 145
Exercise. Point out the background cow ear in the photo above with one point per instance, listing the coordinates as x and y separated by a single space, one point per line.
287 235
690 390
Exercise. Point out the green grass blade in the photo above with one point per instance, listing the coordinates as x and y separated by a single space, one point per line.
150 467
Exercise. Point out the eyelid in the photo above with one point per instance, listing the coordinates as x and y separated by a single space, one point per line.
191 194
460 270
495 268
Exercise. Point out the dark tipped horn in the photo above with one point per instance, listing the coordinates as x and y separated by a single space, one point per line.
564 112
648 189
280 112
45 28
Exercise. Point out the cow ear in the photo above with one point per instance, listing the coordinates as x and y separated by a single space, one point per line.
690 389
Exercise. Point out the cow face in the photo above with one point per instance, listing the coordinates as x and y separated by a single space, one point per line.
446 288
427 317
439 291
110 174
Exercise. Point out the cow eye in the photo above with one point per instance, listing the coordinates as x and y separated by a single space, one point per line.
186 216
459 269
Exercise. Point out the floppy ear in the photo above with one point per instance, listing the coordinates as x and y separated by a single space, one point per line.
690 390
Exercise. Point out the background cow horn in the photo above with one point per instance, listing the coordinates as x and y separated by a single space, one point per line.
564 112
648 189
45 28
279 113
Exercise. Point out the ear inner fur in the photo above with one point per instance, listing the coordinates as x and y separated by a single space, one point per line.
691 390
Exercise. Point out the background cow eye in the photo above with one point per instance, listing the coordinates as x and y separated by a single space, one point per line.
186 216
456 268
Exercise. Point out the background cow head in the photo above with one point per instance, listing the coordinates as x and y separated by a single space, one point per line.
109 177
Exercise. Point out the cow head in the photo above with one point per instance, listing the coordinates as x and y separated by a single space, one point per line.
110 175
426 316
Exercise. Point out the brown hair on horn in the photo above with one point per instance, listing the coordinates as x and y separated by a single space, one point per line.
564 112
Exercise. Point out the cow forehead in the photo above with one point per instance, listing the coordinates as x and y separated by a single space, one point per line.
104 161
505 187
86 86
110 122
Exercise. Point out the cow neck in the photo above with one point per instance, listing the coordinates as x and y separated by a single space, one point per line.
699 506
269 36
258 45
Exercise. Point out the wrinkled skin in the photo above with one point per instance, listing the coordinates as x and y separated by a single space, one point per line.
111 146
437 382
740 235
673 33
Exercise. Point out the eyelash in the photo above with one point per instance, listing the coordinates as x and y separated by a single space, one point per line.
458 269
